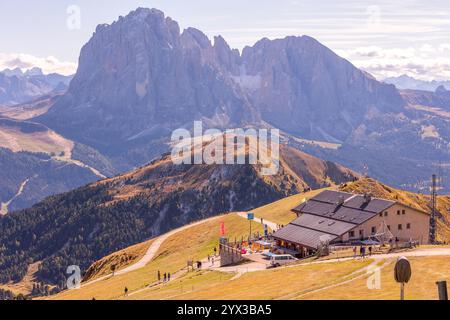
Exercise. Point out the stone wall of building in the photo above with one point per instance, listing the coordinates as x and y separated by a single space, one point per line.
229 256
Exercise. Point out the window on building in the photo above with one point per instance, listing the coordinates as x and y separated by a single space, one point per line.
408 226
381 214
361 232
403 212
398 212
351 234
386 214
400 227
374 230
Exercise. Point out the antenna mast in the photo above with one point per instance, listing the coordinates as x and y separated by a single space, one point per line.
433 210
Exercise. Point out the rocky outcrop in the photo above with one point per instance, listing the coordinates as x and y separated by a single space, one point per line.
139 78
307 90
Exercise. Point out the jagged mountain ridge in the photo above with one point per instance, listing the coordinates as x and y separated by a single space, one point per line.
405 82
18 87
141 77
130 70
134 66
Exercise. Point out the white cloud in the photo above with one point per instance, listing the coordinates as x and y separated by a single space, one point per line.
374 52
427 48
24 61
426 62
444 47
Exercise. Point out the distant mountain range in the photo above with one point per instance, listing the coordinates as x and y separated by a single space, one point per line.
406 82
141 77
18 87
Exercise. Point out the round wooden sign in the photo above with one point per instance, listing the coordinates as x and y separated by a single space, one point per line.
402 270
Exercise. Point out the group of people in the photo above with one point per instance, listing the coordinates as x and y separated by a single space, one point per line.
362 251
165 277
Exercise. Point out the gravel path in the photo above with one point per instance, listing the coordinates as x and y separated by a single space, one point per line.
151 252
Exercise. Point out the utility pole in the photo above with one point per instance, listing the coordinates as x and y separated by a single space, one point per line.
250 218
433 210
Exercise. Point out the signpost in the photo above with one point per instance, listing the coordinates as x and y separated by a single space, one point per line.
442 289
250 217
402 274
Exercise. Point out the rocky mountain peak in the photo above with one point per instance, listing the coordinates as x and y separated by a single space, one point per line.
12 72
441 89
192 35
139 77
34 72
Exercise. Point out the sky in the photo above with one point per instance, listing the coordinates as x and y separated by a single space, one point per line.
382 37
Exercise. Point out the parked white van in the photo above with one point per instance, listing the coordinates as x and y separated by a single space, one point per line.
279 260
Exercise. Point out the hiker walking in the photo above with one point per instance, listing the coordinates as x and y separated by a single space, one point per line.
159 276
363 250
165 277
354 252
215 251
168 277
126 291
212 261
209 258
370 251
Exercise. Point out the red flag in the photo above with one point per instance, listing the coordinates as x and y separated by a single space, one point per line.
222 229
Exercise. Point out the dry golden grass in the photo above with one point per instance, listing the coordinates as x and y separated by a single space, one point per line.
43 141
194 243
25 286
277 283
422 286
189 284
120 259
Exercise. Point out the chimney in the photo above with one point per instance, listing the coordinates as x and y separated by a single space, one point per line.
367 198
339 203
